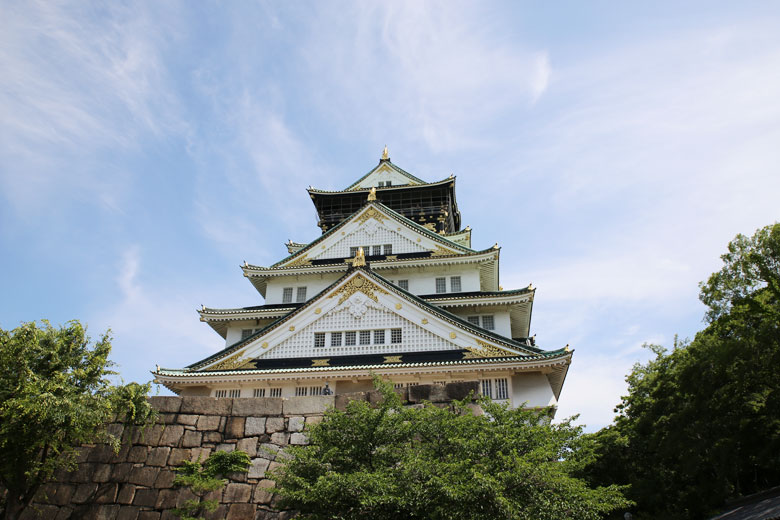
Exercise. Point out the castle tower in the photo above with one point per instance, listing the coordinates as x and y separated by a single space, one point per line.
391 287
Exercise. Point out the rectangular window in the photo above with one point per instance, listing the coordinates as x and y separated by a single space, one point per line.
245 333
379 337
220 393
335 339
276 392
258 392
412 384
488 322
441 285
487 388
398 386
301 295
454 283
287 295
301 391
474 320
350 338
395 335
352 252
365 337
403 284
442 383
502 389
388 249
376 250
315 390
319 339
234 393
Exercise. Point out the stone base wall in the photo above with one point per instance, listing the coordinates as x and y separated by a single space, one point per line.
137 482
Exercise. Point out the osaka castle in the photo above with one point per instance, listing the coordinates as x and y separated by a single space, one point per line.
392 287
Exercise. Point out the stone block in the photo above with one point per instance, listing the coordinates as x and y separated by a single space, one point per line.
126 494
158 457
262 494
218 514
128 513
254 425
258 468
212 437
314 419
169 515
138 454
257 406
83 494
100 453
172 435
268 451
206 405
299 439
191 439
272 466
106 493
178 455
274 424
121 472
143 476
167 499
149 515
188 419
165 479
208 422
280 438
103 512
375 397
146 497
102 473
184 495
57 494
238 476
308 405
200 454
342 400
149 436
228 447
82 452
124 449
167 404
419 393
167 418
38 511
241 511
461 390
237 493
249 445
65 513
235 427
295 424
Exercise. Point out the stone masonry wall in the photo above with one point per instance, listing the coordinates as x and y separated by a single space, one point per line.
137 482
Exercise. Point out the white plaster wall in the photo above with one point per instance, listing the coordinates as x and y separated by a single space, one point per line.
424 282
370 233
532 387
384 174
501 318
314 284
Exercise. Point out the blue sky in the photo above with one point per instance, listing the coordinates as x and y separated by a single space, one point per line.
611 148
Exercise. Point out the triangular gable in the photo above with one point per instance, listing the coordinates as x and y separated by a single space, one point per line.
385 171
362 300
374 224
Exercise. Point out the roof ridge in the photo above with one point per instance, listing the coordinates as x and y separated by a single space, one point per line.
392 165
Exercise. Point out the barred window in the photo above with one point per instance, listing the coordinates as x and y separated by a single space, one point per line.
388 249
258 392
403 284
301 391
352 251
398 386
319 339
315 390
502 389
276 392
474 320
488 322
234 393
365 337
301 296
441 285
487 388
335 339
395 335
377 250
350 338
245 333
379 337
454 283
220 393
287 295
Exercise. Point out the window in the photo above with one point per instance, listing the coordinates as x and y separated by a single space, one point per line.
502 389
365 337
441 285
234 393
350 338
488 322
220 393
379 337
442 383
412 384
474 320
403 284
319 339
496 388
276 392
395 335
287 295
487 388
315 390
245 333
335 339
301 391
398 386
388 249
352 252
376 251
301 295
258 392
454 283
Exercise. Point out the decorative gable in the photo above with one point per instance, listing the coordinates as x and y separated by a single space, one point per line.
384 173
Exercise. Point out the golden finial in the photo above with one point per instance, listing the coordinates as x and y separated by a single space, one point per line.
360 258
385 154
372 194
468 228
202 307
246 264
567 348
530 287
500 287
495 246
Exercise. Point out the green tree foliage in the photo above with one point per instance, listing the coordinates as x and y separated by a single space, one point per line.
388 461
54 396
702 423
204 477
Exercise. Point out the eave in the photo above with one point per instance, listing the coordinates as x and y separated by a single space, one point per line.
218 319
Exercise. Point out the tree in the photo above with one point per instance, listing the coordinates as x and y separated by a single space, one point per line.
204 477
700 423
54 396
388 461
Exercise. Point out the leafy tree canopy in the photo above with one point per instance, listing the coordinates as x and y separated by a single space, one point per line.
55 395
391 461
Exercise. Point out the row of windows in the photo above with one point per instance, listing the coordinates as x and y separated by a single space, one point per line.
287 295
245 333
488 322
441 284
385 183
257 392
358 337
386 249
496 388
303 391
